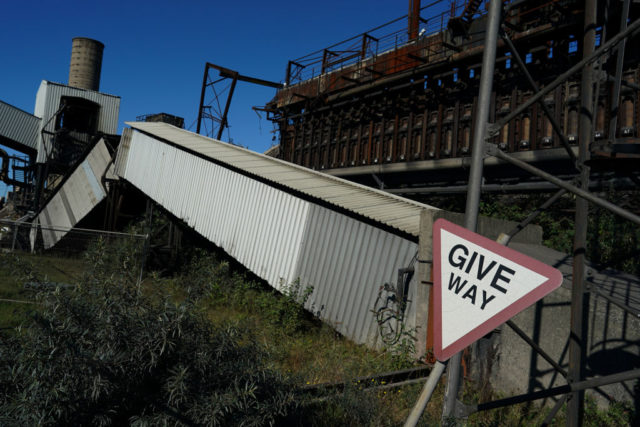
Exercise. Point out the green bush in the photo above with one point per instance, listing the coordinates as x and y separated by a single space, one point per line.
110 353
612 241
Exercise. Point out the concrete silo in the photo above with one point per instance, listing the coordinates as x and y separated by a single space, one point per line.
86 62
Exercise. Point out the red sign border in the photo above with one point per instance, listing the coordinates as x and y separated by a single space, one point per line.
554 280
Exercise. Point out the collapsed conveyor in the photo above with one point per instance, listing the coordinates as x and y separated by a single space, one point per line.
290 225
285 223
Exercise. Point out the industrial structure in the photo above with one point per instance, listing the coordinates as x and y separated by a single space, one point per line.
394 107
406 108
67 122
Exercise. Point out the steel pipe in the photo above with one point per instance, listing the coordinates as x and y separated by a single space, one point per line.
495 151
425 395
554 391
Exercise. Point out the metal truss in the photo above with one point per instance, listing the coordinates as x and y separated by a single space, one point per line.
573 391
212 115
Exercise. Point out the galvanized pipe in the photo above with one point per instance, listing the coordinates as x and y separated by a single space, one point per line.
475 174
555 391
579 310
552 413
425 395
504 239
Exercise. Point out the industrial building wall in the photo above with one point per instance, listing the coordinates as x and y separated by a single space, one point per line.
280 237
19 127
48 103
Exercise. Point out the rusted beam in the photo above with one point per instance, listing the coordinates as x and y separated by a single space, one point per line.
414 19
226 72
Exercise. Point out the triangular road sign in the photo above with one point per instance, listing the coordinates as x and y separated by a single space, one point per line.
478 285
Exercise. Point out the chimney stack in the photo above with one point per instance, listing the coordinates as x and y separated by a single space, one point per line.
86 63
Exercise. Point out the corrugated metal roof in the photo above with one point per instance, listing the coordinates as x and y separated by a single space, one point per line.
19 126
379 206
48 103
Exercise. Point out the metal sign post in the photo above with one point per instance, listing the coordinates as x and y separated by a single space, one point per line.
472 206
475 174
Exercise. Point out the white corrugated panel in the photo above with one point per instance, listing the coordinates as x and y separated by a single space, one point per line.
346 262
243 216
77 196
394 211
120 162
19 126
280 237
48 103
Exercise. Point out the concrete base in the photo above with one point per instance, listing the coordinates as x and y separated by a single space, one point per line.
613 335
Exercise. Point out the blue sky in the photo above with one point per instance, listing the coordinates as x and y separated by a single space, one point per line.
155 51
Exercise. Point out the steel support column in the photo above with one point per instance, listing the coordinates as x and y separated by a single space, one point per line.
223 120
475 174
615 98
580 310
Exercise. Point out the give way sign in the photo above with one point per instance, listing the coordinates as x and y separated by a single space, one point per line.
478 285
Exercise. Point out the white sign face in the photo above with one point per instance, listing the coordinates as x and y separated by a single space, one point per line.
479 284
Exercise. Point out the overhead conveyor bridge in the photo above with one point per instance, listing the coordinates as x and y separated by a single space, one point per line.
18 129
290 224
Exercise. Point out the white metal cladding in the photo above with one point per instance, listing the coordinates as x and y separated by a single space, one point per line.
122 152
48 103
258 225
394 211
77 197
276 235
19 126
347 261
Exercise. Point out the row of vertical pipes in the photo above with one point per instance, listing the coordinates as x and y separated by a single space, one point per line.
334 140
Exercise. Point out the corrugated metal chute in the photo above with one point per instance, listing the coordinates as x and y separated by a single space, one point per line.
280 236
77 196
368 203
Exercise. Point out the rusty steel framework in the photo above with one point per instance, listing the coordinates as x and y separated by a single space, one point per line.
395 108
212 116
484 146
399 107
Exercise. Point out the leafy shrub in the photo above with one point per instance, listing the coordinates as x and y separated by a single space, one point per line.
287 310
611 240
109 353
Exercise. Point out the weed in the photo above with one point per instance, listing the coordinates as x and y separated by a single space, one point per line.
108 353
